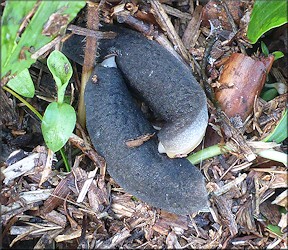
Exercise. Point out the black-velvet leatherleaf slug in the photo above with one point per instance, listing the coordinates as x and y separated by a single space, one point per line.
113 119
173 94
166 85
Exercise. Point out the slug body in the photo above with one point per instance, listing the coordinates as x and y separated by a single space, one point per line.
164 83
113 118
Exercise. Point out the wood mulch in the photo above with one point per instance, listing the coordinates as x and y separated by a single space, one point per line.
43 206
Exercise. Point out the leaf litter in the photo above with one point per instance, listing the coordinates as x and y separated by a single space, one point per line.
85 208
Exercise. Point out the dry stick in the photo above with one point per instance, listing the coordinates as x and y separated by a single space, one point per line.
93 33
89 58
191 33
88 150
175 12
232 23
191 8
166 24
47 47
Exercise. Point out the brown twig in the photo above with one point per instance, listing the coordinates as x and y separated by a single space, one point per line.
192 32
47 47
232 23
91 33
87 150
61 191
89 57
175 12
166 24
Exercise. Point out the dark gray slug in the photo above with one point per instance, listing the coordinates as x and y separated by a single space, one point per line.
113 118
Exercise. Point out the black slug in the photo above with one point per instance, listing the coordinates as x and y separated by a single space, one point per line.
113 119
166 85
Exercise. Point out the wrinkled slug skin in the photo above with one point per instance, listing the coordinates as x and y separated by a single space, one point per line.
174 185
165 84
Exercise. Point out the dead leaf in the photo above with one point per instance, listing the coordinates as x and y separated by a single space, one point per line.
242 79
138 141
55 24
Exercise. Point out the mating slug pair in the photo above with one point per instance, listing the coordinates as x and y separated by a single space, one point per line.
170 90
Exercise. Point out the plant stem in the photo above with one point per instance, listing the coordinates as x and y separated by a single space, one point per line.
207 153
218 149
24 101
67 166
89 58
65 160
61 94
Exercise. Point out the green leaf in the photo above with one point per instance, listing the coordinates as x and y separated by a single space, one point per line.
264 49
14 14
266 14
60 68
58 124
277 55
269 94
16 50
280 132
22 84
275 229
282 210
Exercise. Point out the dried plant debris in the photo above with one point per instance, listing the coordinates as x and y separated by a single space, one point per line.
240 82
42 206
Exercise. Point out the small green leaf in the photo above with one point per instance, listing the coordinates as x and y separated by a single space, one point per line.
22 84
266 15
58 124
264 49
280 132
60 68
277 55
